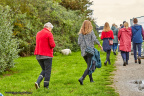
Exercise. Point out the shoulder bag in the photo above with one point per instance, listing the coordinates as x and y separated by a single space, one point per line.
110 42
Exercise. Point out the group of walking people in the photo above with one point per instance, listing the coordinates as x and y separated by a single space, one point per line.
124 36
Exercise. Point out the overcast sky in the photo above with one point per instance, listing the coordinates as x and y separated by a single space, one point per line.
116 11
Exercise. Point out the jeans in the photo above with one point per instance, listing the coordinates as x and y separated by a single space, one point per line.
46 68
114 46
87 58
135 46
125 55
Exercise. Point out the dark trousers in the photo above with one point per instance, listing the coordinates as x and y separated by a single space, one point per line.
108 55
87 58
114 46
135 46
46 68
125 55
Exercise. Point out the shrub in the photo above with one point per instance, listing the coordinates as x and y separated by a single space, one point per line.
8 45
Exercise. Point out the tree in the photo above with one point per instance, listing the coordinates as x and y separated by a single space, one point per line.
81 5
8 44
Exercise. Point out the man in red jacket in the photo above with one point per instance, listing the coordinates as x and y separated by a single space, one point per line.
44 53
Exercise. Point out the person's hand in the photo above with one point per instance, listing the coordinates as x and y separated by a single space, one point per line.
99 46
118 41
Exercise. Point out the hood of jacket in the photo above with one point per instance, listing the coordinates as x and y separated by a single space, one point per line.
113 28
126 30
137 27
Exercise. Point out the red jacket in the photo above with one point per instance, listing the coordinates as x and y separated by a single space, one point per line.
108 34
124 35
44 43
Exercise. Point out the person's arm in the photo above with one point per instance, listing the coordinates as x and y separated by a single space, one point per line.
95 39
112 35
102 35
142 32
80 38
117 32
51 40
119 35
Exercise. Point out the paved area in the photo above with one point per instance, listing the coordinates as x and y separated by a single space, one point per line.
126 75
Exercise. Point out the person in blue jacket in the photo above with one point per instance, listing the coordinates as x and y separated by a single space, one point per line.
137 34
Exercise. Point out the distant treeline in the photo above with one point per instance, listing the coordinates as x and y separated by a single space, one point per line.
29 16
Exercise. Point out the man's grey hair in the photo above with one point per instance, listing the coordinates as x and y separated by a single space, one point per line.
48 25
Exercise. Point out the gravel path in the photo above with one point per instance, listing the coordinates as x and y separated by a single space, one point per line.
126 75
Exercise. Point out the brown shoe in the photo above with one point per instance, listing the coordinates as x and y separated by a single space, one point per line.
135 61
139 60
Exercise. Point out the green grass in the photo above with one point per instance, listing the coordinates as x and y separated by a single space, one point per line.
66 70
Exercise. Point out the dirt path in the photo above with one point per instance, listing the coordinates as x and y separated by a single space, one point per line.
126 75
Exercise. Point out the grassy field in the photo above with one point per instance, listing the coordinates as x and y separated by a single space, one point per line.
66 70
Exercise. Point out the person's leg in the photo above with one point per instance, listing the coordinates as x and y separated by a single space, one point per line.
81 79
41 62
114 48
88 65
139 52
108 56
127 57
47 64
135 52
90 77
116 44
123 54
105 63
88 60
42 74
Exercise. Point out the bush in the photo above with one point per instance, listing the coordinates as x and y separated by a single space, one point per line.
8 45
30 16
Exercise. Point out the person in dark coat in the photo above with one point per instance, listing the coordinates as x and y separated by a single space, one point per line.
87 38
124 36
115 40
107 34
137 34
123 24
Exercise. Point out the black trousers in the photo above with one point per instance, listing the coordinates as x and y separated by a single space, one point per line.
108 55
46 68
87 58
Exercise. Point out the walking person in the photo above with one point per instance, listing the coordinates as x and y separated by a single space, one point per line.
107 34
115 40
123 24
137 34
44 53
124 36
87 36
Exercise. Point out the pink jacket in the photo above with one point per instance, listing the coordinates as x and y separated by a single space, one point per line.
124 36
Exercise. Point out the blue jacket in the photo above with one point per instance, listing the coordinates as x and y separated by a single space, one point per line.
137 33
95 62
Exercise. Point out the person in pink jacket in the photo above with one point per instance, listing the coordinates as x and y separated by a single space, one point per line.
124 36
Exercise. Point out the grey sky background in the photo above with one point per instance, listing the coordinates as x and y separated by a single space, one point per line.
116 11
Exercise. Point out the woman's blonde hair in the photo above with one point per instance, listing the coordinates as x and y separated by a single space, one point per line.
126 25
86 27
113 24
106 27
